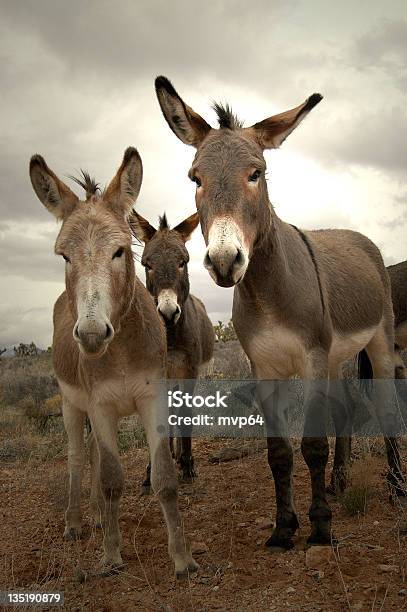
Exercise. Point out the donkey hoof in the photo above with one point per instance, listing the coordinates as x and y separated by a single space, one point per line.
334 490
338 484
73 533
279 545
108 567
191 567
188 478
321 539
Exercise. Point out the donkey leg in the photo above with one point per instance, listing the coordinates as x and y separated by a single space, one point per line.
273 398
185 458
386 407
97 503
341 407
104 424
165 485
280 459
74 421
146 484
315 448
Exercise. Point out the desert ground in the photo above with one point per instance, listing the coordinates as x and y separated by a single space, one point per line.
228 513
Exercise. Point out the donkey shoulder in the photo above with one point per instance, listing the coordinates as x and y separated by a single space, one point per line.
347 247
354 275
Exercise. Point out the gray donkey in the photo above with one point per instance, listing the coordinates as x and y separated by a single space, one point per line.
304 301
398 280
190 334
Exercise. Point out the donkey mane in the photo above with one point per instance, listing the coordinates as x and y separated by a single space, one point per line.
87 183
163 222
226 117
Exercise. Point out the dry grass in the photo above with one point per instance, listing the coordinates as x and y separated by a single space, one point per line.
362 477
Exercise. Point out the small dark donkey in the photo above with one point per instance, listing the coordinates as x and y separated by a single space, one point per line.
190 335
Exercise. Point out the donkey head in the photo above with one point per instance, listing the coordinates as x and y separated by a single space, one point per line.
95 242
165 259
229 172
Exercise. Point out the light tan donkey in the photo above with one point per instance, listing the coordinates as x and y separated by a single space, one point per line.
109 347
304 301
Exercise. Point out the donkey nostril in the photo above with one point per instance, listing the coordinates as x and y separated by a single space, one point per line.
207 260
109 332
175 314
76 332
239 259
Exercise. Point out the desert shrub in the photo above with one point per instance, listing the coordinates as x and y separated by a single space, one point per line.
362 476
36 413
53 404
19 384
131 435
224 333
26 350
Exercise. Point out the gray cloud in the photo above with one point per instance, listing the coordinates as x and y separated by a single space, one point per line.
77 86
372 139
30 257
19 324
384 46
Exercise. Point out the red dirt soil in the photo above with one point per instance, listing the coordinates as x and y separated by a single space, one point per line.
225 512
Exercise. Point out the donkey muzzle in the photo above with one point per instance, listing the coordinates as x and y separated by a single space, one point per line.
93 336
226 257
226 265
168 307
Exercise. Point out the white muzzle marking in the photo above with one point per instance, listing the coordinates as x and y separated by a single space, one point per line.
167 305
93 330
227 254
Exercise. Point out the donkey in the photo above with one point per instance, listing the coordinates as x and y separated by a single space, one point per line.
190 334
108 349
304 301
398 280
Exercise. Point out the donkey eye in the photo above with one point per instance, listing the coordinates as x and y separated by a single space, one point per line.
181 265
196 180
66 258
147 267
118 253
254 177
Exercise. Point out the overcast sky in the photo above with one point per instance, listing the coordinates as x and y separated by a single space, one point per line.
77 86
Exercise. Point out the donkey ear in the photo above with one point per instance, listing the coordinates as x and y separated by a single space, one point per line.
124 188
272 132
186 227
190 127
140 227
52 192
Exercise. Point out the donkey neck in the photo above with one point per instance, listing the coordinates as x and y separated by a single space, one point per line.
176 333
272 276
